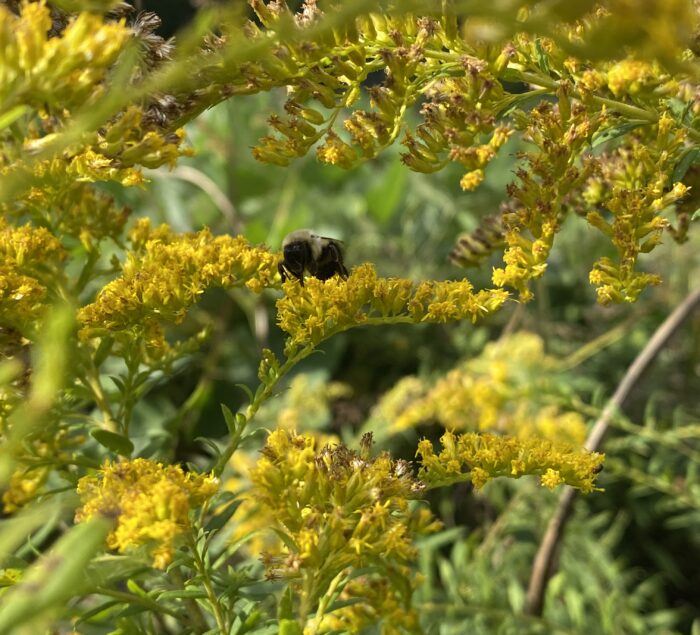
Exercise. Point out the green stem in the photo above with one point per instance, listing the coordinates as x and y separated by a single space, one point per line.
128 398
261 395
448 481
628 110
633 112
325 601
206 581
195 615
92 381
87 270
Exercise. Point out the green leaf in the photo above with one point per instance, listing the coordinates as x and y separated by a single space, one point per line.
286 539
234 546
289 627
230 419
617 131
223 515
696 215
15 530
179 594
542 57
119 383
94 612
688 157
55 578
285 610
103 350
248 392
249 621
384 199
511 75
439 540
134 587
117 443
216 450
524 101
12 115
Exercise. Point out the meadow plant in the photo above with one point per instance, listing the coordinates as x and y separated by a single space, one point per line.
110 530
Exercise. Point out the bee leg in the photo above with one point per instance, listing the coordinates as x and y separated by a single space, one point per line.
287 272
335 263
329 269
325 271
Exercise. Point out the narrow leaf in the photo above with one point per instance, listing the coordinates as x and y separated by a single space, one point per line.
55 578
117 443
688 157
230 419
248 392
616 131
12 115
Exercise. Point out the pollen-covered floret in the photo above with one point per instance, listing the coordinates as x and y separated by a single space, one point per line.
319 309
149 501
340 509
167 273
482 457
30 259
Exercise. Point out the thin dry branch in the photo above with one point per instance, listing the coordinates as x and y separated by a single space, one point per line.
544 564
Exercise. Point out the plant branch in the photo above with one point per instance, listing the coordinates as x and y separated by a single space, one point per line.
261 395
203 571
543 566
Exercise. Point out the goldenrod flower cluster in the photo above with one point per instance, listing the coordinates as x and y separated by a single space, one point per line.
338 508
371 601
167 273
46 71
460 99
30 259
150 502
502 390
23 486
539 194
633 200
320 309
55 64
305 403
77 210
458 77
482 457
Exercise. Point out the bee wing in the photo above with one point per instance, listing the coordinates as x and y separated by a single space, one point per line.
333 240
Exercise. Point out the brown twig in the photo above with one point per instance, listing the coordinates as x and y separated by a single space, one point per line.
544 564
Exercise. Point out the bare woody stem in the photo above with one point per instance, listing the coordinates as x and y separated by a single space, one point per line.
544 564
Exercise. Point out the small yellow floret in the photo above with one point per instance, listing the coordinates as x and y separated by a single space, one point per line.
150 501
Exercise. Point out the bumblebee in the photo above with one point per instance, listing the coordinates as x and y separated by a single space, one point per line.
305 251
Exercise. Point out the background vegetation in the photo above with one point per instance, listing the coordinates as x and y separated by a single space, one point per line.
630 558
